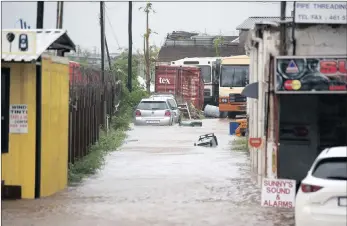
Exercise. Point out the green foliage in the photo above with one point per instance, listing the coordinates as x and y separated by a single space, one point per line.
111 141
217 44
239 144
95 158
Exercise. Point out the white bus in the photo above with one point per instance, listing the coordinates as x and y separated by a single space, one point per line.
208 68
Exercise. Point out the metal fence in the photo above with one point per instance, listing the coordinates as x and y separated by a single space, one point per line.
87 107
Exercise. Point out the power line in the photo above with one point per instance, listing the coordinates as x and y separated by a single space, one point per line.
112 29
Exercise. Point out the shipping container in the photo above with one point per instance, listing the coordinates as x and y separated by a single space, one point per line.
185 82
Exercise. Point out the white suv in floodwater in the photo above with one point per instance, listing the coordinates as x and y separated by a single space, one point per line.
322 196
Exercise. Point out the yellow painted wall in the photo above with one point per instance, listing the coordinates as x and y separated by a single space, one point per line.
55 111
18 165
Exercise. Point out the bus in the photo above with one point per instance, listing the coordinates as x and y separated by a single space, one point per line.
208 72
233 77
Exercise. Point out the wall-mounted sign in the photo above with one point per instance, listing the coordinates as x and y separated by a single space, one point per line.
321 12
311 75
18 118
255 142
18 42
278 193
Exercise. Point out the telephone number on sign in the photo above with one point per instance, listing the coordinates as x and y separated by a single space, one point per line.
335 17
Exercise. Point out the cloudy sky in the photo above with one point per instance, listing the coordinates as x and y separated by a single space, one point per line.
81 19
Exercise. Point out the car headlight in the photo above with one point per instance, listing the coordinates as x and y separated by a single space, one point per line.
224 100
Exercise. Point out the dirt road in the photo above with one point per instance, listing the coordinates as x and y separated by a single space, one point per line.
159 178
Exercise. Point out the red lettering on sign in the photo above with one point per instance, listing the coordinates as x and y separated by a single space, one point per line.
284 204
268 183
337 88
329 67
277 190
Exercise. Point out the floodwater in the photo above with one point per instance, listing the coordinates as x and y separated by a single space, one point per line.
159 178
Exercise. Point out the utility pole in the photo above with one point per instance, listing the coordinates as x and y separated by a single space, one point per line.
102 34
60 7
108 54
39 15
130 52
283 43
148 75
59 22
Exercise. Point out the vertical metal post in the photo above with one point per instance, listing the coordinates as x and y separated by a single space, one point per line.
130 47
39 25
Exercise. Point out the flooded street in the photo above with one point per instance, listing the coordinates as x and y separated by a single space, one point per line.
159 178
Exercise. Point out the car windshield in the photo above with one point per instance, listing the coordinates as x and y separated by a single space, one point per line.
206 73
234 76
331 168
152 105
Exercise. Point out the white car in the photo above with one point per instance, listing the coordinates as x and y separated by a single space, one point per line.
322 197
173 104
153 112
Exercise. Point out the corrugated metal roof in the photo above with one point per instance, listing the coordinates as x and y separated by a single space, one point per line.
172 53
251 21
46 39
199 42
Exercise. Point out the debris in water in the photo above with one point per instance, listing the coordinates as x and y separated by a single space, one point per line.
207 140
191 123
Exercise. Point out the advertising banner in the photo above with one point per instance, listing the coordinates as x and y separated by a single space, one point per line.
310 75
317 12
278 193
